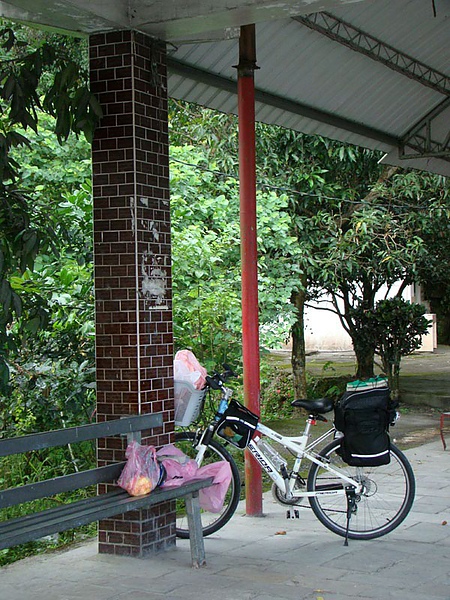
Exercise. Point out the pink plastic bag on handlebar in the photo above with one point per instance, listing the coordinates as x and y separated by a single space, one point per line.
187 368
181 469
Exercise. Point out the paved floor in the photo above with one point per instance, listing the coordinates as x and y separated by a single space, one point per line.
424 376
268 558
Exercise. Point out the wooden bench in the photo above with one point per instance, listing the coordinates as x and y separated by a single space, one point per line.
81 512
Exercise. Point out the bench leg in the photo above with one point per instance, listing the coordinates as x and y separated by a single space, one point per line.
195 530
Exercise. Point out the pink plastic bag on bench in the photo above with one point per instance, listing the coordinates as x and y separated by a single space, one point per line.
181 469
142 472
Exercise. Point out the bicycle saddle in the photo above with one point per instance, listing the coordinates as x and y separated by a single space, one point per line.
319 406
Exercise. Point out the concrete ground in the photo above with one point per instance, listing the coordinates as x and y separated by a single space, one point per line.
424 376
268 558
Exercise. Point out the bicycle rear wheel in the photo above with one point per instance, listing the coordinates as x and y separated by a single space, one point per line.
211 522
386 498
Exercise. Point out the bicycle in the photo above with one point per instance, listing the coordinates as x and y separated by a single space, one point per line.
353 502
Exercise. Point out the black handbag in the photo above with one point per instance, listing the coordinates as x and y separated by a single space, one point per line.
237 424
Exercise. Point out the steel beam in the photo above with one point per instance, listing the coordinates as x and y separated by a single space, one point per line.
249 251
418 142
286 104
360 41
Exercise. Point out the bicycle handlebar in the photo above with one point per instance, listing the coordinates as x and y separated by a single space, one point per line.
217 380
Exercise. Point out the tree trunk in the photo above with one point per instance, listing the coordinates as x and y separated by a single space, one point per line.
365 358
392 369
298 357
395 385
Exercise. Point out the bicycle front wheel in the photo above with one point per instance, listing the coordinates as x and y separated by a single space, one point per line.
211 522
384 502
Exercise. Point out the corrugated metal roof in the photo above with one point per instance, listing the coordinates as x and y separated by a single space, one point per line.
306 80
308 69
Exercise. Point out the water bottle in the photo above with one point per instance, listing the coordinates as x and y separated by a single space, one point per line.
222 408
276 459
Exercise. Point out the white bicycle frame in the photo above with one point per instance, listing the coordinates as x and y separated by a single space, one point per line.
301 449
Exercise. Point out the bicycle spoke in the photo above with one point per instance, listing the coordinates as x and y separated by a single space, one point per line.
385 500
211 522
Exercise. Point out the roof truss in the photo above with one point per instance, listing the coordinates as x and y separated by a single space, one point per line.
360 41
418 142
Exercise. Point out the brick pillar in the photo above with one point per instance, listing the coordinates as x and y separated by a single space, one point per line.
134 345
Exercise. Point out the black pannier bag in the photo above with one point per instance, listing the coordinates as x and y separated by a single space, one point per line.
364 417
237 424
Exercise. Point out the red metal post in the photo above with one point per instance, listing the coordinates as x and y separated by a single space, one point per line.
250 323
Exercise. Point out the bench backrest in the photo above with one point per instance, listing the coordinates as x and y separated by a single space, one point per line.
71 435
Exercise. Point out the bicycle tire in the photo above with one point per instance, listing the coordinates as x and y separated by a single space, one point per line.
211 522
385 502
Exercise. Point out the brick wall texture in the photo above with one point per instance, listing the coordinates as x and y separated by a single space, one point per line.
134 345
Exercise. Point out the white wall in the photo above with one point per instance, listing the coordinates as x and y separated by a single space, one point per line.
324 332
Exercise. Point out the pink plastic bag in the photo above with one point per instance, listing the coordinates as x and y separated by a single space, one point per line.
181 469
212 498
142 472
187 368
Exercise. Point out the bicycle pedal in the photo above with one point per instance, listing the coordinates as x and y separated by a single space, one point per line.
292 514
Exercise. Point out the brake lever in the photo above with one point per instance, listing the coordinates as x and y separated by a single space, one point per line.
212 383
229 371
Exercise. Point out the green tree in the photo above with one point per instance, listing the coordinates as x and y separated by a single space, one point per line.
50 352
40 74
396 329
386 248
359 230
359 233
206 259
327 180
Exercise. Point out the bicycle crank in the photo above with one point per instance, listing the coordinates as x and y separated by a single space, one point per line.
280 496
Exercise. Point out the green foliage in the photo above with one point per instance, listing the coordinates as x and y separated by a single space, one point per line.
39 72
213 133
44 71
277 392
277 389
46 314
357 228
50 348
206 261
396 327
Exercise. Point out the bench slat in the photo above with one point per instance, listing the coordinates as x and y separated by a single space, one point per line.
54 520
59 485
57 513
72 435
